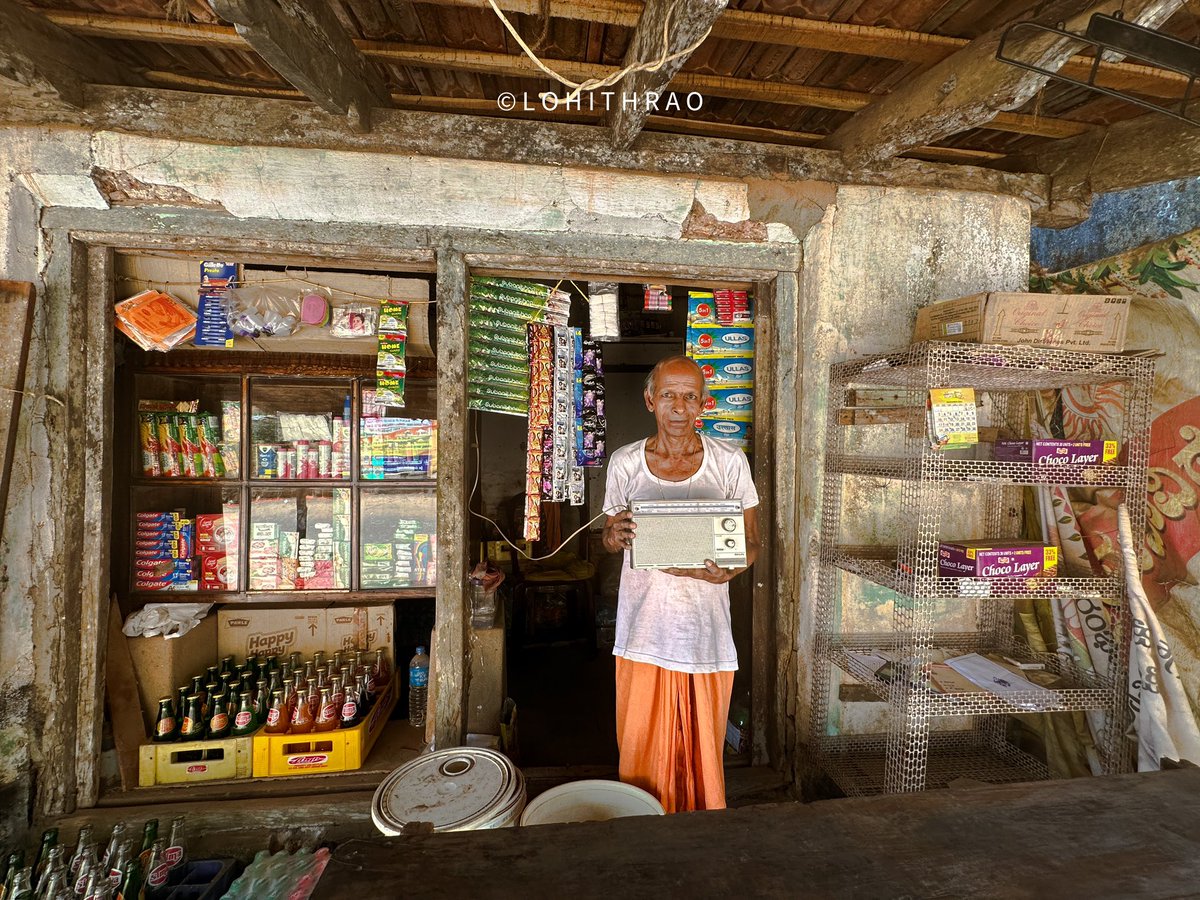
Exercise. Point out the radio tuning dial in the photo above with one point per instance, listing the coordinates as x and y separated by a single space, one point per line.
729 524
730 543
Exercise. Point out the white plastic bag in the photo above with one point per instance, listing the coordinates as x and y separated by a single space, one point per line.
171 620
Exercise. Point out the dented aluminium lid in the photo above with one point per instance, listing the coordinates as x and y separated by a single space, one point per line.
457 789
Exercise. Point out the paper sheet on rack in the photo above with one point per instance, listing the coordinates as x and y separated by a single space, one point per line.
871 661
1002 682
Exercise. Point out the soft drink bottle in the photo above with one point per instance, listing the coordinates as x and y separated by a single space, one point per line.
302 717
157 871
418 687
42 859
381 671
81 843
165 726
278 715
327 713
176 852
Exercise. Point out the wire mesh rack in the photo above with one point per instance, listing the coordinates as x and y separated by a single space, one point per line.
913 754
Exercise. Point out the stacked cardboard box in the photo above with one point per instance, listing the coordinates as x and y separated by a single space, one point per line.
720 337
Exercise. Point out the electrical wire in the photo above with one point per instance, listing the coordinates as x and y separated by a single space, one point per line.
499 530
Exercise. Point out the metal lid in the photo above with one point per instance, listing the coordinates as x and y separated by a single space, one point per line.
456 789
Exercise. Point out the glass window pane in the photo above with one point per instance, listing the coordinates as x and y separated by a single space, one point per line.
299 540
399 538
185 539
398 443
299 430
188 427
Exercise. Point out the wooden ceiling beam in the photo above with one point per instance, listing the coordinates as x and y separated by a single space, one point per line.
666 35
733 24
47 62
970 88
303 41
475 105
1145 150
489 63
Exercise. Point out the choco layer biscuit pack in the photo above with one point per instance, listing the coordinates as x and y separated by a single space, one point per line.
996 559
1052 452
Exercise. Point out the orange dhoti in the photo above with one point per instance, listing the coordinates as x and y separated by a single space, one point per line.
670 733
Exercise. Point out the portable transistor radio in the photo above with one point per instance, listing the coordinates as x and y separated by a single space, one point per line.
682 534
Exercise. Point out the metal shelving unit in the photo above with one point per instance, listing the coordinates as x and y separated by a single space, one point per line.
914 754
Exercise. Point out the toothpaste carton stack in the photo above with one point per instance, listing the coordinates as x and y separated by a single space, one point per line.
163 547
720 338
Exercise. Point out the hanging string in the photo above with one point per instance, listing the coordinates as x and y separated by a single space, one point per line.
295 279
592 84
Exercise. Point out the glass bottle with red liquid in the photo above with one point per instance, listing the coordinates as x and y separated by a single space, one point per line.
278 716
327 713
302 717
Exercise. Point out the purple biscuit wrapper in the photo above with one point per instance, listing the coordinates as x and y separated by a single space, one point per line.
1056 452
1001 560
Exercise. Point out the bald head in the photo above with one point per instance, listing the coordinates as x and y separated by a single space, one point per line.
679 364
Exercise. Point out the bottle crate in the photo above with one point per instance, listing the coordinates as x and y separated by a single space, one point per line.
186 762
321 752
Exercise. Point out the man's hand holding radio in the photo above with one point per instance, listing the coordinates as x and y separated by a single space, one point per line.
618 531
712 573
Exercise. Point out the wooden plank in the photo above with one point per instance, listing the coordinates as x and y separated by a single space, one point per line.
971 88
789 471
59 498
303 41
97 463
666 35
53 63
203 231
16 320
733 24
764 694
129 732
452 619
209 119
1127 836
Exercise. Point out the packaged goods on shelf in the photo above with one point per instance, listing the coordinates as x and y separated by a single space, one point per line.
720 307
997 559
394 447
1087 322
500 309
656 298
179 441
154 320
727 372
212 327
739 433
735 403
713 342
1053 452
163 547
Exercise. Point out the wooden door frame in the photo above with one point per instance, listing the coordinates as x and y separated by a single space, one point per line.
82 244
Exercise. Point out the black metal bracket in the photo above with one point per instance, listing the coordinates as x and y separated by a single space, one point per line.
1113 34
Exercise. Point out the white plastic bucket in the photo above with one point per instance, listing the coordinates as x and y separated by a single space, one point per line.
590 801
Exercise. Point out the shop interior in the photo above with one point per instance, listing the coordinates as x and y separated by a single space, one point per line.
340 540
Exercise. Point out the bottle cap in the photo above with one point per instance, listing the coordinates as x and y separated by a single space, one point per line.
420 649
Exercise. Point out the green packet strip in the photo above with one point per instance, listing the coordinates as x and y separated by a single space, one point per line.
501 354
501 308
521 301
500 379
497 391
501 406
492 323
515 285
497 339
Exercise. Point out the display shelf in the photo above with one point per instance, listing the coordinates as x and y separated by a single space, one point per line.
285 598
990 367
932 467
858 763
881 566
1074 690
1005 380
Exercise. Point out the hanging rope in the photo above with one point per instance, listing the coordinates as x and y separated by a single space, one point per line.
592 84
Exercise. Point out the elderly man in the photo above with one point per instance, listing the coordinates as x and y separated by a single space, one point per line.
674 644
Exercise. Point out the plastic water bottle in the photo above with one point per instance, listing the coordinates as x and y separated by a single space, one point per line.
418 687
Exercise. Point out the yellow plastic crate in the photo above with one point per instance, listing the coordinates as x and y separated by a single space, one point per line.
317 753
187 762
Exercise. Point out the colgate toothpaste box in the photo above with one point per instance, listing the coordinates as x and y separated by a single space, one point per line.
991 559
1057 452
